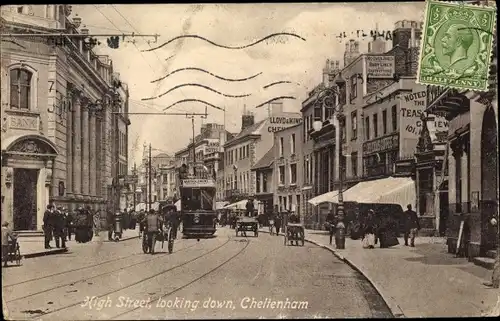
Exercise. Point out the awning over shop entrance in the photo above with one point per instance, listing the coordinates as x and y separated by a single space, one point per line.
324 198
220 205
391 190
240 205
178 205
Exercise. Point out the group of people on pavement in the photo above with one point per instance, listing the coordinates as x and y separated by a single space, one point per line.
384 229
60 224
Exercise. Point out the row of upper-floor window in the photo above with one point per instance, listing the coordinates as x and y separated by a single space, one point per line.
233 155
372 127
240 181
292 174
22 90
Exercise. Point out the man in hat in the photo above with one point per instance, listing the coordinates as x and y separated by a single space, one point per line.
7 235
412 225
58 227
48 218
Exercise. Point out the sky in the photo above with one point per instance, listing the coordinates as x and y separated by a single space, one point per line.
295 59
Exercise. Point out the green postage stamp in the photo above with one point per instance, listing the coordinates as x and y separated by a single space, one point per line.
456 45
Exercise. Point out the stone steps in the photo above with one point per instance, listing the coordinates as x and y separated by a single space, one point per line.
29 233
491 254
485 262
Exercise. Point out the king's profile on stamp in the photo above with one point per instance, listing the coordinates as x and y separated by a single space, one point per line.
456 45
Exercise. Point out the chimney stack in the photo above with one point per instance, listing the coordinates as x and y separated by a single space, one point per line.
247 120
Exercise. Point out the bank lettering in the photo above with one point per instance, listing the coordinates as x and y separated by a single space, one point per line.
19 122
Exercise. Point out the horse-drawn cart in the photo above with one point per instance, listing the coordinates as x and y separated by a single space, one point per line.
244 224
294 232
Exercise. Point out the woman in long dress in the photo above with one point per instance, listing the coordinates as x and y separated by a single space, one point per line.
369 229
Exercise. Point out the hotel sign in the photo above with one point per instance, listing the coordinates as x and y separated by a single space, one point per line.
381 144
380 66
212 147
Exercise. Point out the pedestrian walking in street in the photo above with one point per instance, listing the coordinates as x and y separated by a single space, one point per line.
110 222
97 222
386 231
369 228
331 224
495 276
249 207
278 221
411 224
140 219
47 227
70 224
58 228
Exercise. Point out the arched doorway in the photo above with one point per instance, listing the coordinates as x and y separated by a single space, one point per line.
489 174
27 163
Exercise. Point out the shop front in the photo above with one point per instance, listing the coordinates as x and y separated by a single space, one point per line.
27 164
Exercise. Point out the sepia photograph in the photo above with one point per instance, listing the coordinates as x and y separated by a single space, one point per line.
331 160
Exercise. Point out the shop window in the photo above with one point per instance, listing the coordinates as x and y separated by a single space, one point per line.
375 125
248 150
20 88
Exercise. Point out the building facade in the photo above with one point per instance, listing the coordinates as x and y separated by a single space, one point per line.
472 155
370 92
288 180
57 121
264 182
244 151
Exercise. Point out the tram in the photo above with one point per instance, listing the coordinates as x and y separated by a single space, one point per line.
197 196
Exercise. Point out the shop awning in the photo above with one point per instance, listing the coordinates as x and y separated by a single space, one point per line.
391 190
178 205
220 205
241 205
140 206
323 198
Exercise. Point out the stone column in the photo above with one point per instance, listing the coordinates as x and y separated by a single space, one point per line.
93 157
77 147
69 150
85 150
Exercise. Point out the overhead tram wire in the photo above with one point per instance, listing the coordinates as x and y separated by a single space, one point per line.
156 54
117 28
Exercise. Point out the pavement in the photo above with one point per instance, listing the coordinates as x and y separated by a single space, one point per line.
33 246
420 281
224 277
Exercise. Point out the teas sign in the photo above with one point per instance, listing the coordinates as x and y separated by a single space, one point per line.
380 66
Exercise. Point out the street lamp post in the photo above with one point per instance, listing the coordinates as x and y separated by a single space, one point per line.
326 98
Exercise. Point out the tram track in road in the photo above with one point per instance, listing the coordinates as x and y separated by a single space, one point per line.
155 257
177 289
68 306
68 271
